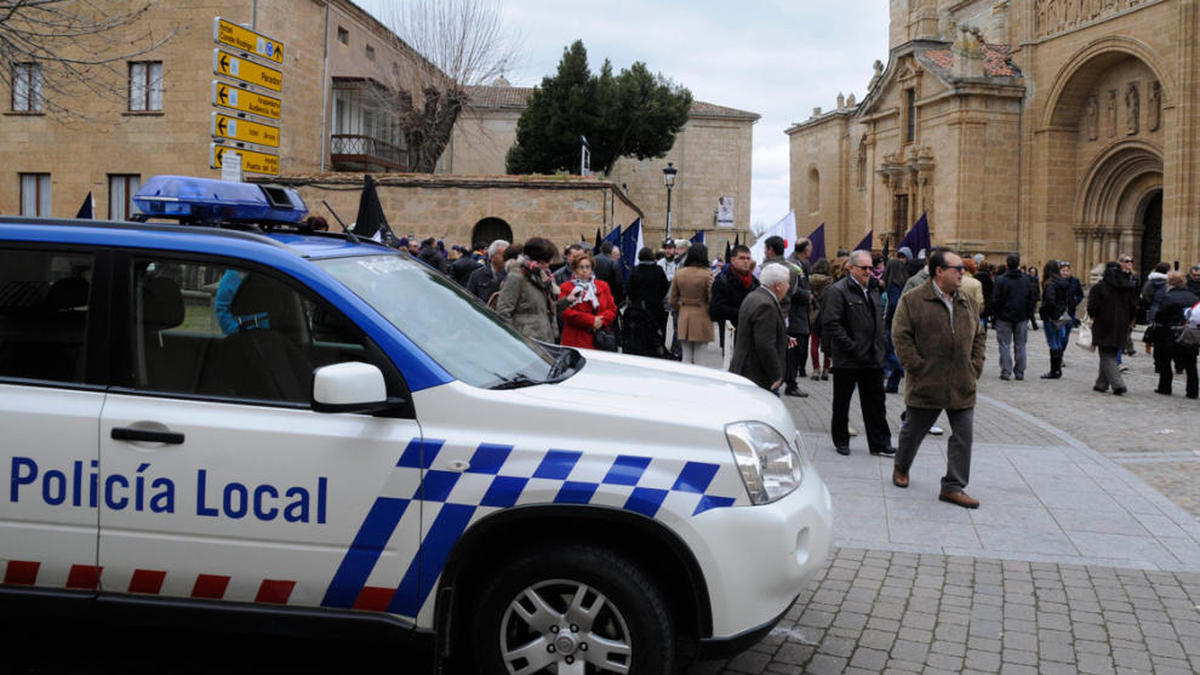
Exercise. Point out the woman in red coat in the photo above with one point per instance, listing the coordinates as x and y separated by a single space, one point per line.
592 307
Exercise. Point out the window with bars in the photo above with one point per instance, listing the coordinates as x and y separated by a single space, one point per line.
121 189
27 87
35 194
145 86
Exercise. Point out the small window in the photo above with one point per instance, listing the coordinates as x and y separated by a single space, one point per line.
44 314
343 35
35 194
225 332
27 87
145 86
121 189
370 53
910 121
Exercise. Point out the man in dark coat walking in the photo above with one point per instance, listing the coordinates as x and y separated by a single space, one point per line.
798 317
852 324
941 344
1112 304
1013 303
761 348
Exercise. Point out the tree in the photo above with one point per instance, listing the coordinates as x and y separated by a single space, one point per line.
631 114
54 51
453 45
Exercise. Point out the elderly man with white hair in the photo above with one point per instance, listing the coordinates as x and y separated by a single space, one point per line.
760 351
852 323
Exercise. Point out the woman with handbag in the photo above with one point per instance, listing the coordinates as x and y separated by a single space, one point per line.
689 296
1056 317
591 313
1162 335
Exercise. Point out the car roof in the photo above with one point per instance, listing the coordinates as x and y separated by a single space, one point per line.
314 246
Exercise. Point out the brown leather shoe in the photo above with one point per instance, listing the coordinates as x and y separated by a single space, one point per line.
899 479
960 498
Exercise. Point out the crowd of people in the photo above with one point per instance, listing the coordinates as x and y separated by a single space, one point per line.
869 321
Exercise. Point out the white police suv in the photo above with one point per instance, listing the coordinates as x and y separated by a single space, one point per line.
282 427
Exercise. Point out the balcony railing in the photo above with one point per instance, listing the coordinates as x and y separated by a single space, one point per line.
353 152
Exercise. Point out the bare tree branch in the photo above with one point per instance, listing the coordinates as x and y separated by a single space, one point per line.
455 44
79 48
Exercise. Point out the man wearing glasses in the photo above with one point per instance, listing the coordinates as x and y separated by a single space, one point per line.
941 345
852 322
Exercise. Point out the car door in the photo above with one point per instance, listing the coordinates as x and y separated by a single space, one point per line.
226 484
52 372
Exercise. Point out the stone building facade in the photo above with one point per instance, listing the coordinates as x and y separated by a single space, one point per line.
1061 129
333 51
712 154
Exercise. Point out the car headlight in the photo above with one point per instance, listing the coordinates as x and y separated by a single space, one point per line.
770 466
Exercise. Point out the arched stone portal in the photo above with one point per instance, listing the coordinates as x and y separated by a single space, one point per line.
1104 139
488 230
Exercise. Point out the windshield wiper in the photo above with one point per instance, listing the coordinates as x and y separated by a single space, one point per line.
515 382
560 364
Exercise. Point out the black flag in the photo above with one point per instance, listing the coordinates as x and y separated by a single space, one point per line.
85 210
599 239
371 222
728 251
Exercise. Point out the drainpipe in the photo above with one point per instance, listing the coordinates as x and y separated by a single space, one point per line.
325 86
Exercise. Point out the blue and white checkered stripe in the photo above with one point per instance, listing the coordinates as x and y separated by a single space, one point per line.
497 478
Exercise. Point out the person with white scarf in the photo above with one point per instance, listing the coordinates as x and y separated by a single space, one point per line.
592 307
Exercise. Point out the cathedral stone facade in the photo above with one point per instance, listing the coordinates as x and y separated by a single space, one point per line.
1061 129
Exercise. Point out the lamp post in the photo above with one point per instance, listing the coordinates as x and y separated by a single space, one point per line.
669 181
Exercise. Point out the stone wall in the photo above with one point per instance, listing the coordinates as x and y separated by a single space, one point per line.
449 207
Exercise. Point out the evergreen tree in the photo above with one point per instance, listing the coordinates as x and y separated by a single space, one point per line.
632 114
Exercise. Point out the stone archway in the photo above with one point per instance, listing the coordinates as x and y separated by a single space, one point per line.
1116 212
488 230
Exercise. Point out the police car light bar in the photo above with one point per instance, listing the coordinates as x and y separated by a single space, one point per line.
211 201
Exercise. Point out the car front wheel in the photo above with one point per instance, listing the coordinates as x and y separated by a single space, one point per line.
573 609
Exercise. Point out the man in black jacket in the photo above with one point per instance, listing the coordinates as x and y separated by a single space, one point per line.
1012 308
798 322
852 323
609 271
486 280
731 287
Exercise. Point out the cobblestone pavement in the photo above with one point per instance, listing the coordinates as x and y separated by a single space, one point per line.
880 611
1083 558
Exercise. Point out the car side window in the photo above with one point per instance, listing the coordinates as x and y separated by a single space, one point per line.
211 330
44 300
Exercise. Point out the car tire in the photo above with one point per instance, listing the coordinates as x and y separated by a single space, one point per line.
572 609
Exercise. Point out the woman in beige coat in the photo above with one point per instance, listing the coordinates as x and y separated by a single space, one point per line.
689 297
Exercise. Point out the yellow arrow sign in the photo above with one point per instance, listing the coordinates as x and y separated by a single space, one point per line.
229 65
229 96
252 162
246 40
227 126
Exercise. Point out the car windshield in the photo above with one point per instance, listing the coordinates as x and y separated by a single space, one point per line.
459 332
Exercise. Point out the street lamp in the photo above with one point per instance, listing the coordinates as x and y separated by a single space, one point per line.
669 181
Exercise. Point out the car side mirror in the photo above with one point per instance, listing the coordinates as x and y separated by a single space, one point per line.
353 387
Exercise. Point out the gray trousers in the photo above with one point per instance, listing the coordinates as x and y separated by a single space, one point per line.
1110 370
1011 338
958 450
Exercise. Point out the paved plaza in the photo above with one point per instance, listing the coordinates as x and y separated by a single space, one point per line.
1083 557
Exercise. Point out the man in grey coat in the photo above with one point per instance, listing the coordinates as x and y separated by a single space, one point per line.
760 351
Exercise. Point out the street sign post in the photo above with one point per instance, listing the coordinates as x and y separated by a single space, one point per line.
229 96
246 40
234 129
252 160
231 66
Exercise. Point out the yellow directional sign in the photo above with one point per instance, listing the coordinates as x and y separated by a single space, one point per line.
227 126
229 65
246 40
229 96
252 162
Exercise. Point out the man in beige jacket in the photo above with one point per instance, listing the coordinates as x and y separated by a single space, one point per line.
940 343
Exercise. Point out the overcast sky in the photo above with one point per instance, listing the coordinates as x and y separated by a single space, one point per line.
777 58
